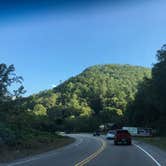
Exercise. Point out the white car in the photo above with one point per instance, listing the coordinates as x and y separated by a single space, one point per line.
111 134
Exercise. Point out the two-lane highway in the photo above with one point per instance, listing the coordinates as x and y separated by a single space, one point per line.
70 155
122 155
91 151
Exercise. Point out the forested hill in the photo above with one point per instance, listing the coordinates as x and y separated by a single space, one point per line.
98 95
104 87
125 94
100 92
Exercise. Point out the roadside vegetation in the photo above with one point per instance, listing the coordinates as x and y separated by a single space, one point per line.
21 131
33 145
148 109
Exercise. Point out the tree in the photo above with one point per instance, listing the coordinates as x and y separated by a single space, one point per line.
40 110
149 107
143 111
159 79
159 88
7 79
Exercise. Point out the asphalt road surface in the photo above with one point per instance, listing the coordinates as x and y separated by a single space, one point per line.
91 151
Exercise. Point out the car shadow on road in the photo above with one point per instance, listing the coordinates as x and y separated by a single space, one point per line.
111 142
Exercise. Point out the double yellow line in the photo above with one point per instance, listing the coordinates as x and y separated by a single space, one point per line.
92 156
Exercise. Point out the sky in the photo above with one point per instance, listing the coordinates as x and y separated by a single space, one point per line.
48 44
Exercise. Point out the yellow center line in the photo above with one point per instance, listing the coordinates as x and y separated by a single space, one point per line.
92 156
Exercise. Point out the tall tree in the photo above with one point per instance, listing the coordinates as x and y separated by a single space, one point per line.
7 79
159 79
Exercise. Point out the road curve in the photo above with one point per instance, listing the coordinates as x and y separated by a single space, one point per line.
84 146
90 151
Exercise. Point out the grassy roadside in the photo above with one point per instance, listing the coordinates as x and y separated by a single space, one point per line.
156 141
35 145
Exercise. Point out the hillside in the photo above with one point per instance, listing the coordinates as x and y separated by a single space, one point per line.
103 86
98 95
100 91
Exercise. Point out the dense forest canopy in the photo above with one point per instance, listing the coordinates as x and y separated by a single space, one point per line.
149 107
100 94
103 87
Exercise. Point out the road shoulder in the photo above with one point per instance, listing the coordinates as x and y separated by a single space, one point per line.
14 155
157 153
76 149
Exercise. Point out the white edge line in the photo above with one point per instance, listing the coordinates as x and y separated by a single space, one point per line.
158 164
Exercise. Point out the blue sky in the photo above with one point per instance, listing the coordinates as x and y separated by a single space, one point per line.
47 46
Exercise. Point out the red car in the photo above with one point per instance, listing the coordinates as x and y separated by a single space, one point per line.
123 137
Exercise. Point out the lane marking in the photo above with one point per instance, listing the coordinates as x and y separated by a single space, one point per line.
94 155
157 163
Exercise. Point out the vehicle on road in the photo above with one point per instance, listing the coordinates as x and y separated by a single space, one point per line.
122 137
111 134
96 133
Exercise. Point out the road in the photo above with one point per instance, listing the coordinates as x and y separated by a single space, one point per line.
91 151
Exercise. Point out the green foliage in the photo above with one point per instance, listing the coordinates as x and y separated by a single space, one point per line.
103 86
6 134
142 111
100 92
149 106
98 95
7 79
159 79
39 110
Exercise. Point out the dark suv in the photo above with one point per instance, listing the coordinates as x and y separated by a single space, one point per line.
123 137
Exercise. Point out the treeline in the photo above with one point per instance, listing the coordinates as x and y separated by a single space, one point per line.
98 95
149 107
